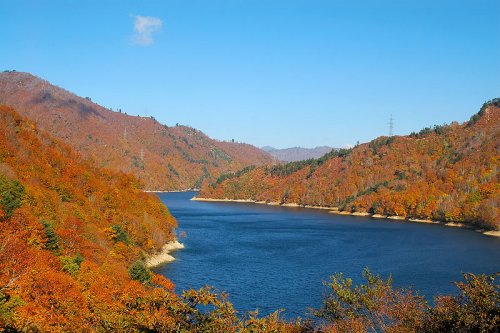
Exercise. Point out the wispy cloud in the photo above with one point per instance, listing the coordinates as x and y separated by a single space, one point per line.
144 27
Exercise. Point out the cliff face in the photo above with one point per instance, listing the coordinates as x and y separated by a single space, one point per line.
163 158
447 173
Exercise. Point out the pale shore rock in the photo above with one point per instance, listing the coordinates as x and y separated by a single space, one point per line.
321 207
379 216
209 199
454 224
164 256
395 217
173 191
269 203
360 214
495 233
423 221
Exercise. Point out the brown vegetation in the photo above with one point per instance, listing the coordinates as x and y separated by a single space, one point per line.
162 157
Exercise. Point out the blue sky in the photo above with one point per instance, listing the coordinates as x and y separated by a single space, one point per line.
279 73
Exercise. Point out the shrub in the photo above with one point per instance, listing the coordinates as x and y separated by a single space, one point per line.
139 272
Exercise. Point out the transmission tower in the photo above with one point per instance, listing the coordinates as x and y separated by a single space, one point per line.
391 126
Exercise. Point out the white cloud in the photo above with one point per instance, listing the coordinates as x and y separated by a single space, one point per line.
144 27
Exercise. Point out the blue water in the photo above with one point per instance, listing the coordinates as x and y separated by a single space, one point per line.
269 257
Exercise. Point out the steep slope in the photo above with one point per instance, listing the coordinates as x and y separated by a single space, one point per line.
69 232
163 158
448 173
295 154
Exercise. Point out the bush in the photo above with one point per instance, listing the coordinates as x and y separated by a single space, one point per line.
139 272
475 309
71 265
372 307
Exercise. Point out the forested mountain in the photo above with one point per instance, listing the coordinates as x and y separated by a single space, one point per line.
162 157
447 173
73 238
70 232
297 153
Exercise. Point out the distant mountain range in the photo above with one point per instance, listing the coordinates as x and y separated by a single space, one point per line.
297 153
162 157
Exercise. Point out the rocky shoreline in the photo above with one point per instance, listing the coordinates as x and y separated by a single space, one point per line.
335 210
164 255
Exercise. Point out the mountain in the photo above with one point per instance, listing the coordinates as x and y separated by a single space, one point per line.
72 235
295 154
162 157
446 173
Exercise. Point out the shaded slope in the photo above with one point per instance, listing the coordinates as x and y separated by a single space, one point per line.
162 157
447 173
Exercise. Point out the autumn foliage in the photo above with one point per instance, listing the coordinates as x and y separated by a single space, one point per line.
62 268
445 173
74 237
161 157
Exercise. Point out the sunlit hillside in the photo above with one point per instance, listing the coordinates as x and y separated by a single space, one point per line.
162 157
446 173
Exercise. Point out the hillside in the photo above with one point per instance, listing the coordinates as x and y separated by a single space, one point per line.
73 238
446 173
70 232
295 154
162 157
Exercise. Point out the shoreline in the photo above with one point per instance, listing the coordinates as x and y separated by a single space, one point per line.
172 191
270 203
164 255
335 210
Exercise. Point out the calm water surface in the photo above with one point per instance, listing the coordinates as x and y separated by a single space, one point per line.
275 257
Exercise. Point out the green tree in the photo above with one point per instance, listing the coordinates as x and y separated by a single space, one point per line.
52 242
11 195
120 235
139 272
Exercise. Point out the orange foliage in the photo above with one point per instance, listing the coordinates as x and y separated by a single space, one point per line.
449 173
161 157
57 266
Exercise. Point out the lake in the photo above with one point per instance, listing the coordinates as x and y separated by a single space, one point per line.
270 257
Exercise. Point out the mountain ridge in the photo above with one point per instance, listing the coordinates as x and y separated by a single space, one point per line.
162 157
445 173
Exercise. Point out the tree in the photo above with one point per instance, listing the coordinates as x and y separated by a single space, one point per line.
375 306
139 272
11 196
